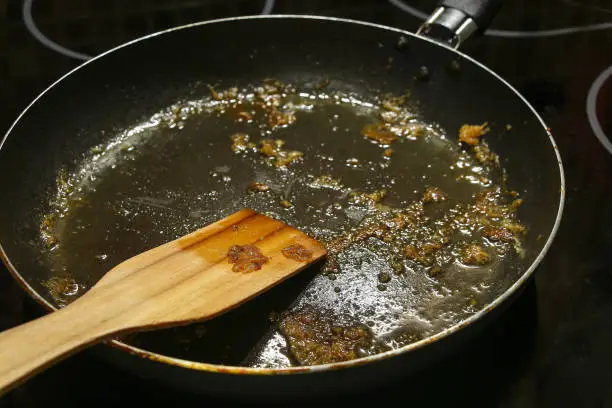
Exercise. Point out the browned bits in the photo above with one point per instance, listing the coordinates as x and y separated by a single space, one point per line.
486 198
388 152
513 227
286 203
434 195
317 339
257 187
498 234
270 97
214 94
240 142
277 118
63 289
389 116
46 231
231 93
516 203
326 181
474 254
273 150
297 252
384 277
434 271
358 235
423 253
471 134
392 106
246 258
245 115
484 155
378 134
372 198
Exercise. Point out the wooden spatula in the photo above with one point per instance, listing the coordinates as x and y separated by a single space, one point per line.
193 278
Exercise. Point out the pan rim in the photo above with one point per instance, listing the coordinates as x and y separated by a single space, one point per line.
227 369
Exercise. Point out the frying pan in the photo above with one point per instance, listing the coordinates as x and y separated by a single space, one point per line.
105 99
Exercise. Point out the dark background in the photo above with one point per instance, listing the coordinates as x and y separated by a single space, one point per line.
552 348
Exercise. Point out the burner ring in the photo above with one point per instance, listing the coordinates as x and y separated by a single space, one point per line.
44 40
591 108
512 33
33 29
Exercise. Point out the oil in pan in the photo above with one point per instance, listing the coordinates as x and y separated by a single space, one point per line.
421 229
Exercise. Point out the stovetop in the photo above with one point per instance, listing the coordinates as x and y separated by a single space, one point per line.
552 348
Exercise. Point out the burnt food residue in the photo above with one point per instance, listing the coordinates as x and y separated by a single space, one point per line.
297 252
246 258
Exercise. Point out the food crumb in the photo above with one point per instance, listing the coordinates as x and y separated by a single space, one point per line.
484 155
245 115
257 187
500 234
273 149
297 252
384 277
277 118
240 142
388 152
246 258
475 255
286 204
434 271
213 93
424 253
372 198
434 195
378 134
471 134
516 203
326 181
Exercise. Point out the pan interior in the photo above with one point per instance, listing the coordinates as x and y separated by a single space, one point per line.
137 158
313 159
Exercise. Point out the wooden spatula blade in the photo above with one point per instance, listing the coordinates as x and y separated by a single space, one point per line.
192 278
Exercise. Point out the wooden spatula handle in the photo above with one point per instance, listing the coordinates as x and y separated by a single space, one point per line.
29 348
192 278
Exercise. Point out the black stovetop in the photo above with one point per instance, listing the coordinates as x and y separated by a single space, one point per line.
552 348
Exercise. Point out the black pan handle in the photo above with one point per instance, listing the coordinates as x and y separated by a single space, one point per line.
455 20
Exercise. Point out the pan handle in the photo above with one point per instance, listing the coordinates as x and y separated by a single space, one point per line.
455 20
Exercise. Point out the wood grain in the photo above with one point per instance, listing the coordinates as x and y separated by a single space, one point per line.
188 279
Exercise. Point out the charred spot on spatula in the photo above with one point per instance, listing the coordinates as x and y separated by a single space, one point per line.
297 252
246 258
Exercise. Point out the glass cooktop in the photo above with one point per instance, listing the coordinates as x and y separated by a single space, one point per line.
549 349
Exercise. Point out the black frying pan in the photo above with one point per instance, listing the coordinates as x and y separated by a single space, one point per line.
106 98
